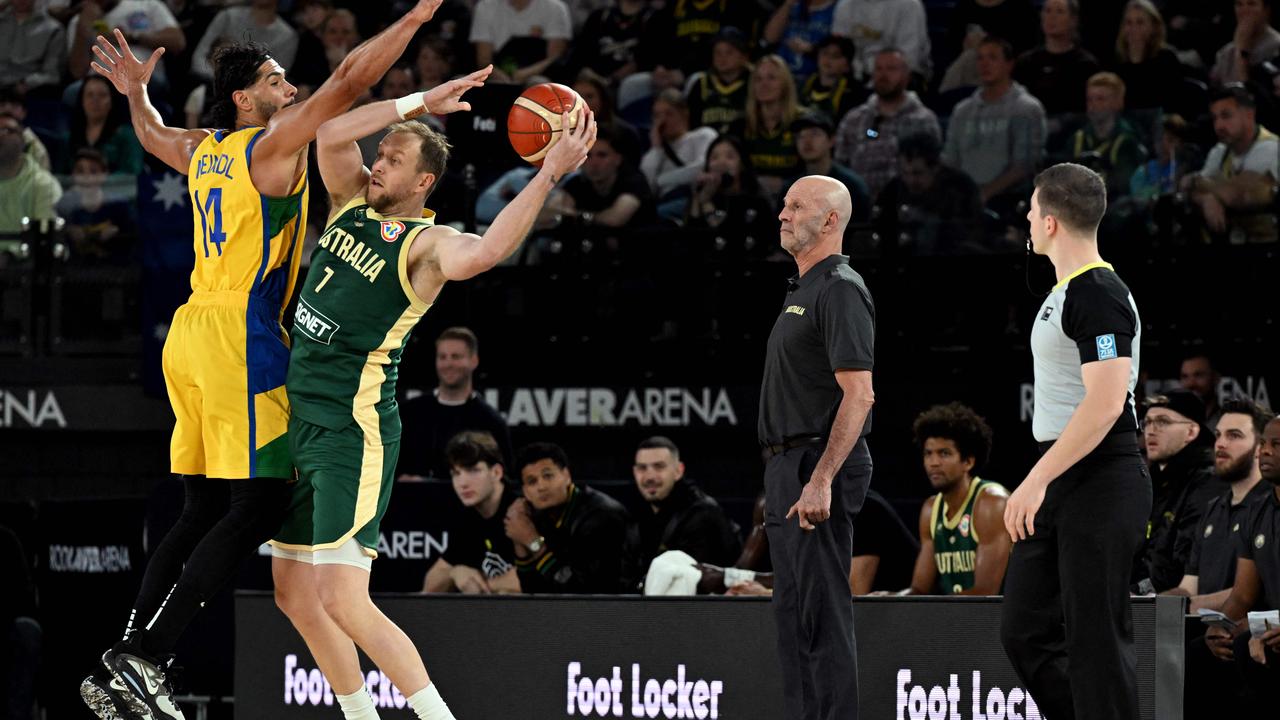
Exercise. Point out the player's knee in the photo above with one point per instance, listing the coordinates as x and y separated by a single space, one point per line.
342 606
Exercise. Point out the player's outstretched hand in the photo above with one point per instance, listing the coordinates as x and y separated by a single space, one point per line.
120 66
425 10
570 151
446 97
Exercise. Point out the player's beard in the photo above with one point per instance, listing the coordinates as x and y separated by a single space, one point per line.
267 109
385 200
1237 469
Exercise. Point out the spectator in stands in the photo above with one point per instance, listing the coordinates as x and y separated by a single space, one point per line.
1180 458
1257 586
1199 26
522 38
338 36
259 22
20 659
434 62
677 515
996 136
568 538
867 138
503 190
727 198
454 406
1211 562
399 81
1198 374
34 46
718 98
875 25
1240 171
795 28
1254 43
100 223
309 17
13 102
681 35
1057 71
1108 143
594 89
479 558
972 21
772 106
930 208
964 547
609 41
815 140
1150 69
451 25
146 24
1162 174
607 192
26 189
100 122
831 89
675 154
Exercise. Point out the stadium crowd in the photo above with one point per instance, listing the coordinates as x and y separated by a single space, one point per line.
936 115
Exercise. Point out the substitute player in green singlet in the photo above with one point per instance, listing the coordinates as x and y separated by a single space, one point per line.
963 546
379 265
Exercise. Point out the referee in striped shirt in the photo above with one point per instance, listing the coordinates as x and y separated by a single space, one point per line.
1080 515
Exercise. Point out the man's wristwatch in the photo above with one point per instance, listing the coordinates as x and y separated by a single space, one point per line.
535 545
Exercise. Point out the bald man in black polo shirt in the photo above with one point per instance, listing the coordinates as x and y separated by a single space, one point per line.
1080 515
815 406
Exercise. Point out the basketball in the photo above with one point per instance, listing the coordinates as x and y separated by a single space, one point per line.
533 125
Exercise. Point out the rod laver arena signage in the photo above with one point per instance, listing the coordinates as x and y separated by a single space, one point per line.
610 407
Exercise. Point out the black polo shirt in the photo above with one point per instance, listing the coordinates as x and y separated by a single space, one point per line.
827 323
1217 540
1260 542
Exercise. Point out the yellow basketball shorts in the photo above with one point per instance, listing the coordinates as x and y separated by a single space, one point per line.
225 362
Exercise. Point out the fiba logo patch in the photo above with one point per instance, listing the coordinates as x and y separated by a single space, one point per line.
392 230
1106 346
1259 541
964 526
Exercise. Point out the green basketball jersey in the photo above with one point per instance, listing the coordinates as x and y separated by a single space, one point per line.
353 319
955 540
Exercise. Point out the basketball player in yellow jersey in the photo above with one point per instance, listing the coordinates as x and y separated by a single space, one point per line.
379 265
226 354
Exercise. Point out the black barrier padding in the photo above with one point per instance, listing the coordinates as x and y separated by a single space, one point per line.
510 657
89 564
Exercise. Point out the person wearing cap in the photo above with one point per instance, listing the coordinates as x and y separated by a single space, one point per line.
719 97
1179 456
831 89
815 139
1242 168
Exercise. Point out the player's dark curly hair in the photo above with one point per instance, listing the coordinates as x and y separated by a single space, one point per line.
235 67
960 424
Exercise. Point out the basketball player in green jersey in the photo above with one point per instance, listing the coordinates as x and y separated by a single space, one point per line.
379 265
963 547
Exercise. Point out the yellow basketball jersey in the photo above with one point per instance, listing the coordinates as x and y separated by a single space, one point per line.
244 241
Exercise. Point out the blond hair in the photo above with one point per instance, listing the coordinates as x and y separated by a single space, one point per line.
790 99
1156 44
1108 80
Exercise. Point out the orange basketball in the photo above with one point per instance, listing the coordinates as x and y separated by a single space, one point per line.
533 125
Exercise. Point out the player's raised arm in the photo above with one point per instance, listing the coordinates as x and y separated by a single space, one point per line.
341 165
465 255
122 69
291 129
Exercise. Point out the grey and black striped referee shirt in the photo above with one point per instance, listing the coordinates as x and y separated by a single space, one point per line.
1089 317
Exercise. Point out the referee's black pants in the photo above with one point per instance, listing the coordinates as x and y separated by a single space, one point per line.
1066 623
812 605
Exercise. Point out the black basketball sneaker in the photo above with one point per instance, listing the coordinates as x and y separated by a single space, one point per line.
149 693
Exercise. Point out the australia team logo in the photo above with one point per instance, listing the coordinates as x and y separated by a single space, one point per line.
392 230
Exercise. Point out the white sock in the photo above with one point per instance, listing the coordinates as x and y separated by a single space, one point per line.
428 704
357 706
